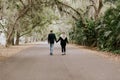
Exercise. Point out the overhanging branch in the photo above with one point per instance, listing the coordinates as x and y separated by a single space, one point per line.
3 28
71 15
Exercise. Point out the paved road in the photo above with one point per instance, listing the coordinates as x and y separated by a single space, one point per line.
79 64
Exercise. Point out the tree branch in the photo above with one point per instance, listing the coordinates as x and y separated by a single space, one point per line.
34 26
71 15
100 6
77 12
97 10
4 28
22 3
20 15
58 2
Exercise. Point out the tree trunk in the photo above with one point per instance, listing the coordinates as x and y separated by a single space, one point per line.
17 38
99 9
9 41
10 36
12 40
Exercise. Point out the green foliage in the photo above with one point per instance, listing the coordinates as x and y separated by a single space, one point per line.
109 35
103 33
84 35
112 1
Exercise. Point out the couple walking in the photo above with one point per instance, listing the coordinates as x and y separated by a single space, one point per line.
63 40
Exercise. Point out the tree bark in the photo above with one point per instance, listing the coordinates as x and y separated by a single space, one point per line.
17 38
22 13
97 10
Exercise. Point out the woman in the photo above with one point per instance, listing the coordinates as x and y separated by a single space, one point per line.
63 40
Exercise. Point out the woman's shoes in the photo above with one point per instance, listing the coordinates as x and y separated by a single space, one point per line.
64 53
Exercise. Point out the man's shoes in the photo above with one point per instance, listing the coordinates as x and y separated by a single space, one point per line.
51 54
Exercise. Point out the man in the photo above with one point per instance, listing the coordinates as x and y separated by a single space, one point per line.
51 40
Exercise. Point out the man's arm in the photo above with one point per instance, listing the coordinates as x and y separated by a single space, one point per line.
48 38
67 40
55 38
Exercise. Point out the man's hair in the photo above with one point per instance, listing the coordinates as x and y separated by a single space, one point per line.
51 30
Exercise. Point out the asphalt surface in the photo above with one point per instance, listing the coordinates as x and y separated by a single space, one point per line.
35 63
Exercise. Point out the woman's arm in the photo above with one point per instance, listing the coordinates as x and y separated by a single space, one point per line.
58 39
67 40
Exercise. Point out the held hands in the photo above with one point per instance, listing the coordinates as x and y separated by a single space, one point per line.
56 41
